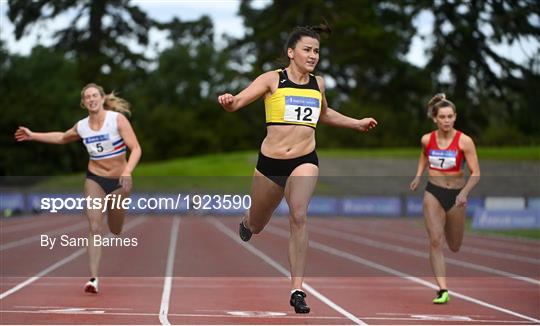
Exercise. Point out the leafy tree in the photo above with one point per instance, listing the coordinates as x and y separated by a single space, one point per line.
96 35
363 60
490 89
44 101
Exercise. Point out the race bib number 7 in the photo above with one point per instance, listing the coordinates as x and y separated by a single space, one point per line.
302 109
442 159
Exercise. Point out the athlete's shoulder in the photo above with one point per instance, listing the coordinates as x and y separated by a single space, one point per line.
320 82
121 118
81 122
270 75
465 140
425 139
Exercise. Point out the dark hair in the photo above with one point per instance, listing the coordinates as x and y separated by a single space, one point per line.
309 31
438 101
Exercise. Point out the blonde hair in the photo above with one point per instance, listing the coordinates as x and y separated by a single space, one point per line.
112 102
438 101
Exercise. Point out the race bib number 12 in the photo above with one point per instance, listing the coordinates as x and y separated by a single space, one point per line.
301 109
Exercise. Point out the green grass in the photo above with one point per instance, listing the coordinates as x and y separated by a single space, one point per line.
521 233
223 164
233 171
514 233
527 233
487 153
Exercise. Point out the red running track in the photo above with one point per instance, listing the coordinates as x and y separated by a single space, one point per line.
195 270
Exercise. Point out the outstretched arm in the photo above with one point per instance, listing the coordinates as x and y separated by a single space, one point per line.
260 86
55 137
333 118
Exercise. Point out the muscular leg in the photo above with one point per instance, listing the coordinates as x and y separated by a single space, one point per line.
298 191
265 198
455 227
95 218
115 216
435 217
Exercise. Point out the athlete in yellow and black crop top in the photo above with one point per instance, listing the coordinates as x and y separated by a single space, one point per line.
294 104
290 148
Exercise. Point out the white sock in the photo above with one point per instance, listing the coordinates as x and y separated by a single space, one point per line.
294 290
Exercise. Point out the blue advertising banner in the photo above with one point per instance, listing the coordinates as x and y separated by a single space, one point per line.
325 206
506 219
371 206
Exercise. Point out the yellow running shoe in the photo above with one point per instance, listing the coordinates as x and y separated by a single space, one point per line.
442 297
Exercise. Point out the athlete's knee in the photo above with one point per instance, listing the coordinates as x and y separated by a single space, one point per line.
95 227
436 242
298 218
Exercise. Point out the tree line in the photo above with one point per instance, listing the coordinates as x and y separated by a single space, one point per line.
173 96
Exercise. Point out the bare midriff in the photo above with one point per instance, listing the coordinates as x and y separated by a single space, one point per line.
109 167
453 180
288 141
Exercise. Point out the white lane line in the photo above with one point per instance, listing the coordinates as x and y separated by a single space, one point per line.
89 312
478 251
386 269
32 224
525 245
219 225
143 314
386 246
60 263
167 282
64 307
36 238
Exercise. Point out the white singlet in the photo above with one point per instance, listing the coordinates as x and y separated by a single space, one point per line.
104 143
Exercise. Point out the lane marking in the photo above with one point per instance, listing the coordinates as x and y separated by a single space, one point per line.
28 225
386 246
405 317
36 238
73 311
255 313
61 262
386 269
478 251
499 242
248 246
60 307
442 317
176 315
167 281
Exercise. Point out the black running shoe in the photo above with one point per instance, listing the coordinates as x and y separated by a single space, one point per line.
244 232
299 303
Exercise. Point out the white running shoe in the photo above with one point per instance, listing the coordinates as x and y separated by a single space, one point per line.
91 286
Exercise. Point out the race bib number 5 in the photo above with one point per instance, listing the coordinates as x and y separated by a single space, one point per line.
442 159
302 109
98 144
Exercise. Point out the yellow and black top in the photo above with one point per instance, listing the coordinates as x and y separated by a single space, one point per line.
294 104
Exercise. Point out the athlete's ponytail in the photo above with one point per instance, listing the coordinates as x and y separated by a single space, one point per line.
438 101
112 102
118 104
